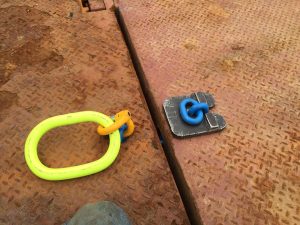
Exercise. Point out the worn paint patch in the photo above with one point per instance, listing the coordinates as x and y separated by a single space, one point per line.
26 42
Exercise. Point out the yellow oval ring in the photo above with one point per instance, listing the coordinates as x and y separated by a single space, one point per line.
44 172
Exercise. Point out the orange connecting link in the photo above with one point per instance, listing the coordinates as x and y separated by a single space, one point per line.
120 119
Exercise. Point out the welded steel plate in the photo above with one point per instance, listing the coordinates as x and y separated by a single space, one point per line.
212 122
247 53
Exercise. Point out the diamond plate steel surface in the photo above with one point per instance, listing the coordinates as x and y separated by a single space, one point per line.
55 60
247 54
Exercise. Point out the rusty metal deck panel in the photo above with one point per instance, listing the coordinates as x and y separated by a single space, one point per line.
247 54
55 60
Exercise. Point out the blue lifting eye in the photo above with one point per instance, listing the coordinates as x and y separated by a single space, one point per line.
122 130
195 114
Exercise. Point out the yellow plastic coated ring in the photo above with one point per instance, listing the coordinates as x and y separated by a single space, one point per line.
40 170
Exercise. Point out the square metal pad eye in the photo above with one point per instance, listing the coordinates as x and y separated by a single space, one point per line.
211 123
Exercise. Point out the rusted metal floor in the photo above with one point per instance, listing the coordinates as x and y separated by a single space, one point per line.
247 54
55 60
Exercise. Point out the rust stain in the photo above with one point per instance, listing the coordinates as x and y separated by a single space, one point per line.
25 40
218 11
231 62
7 100
59 62
247 56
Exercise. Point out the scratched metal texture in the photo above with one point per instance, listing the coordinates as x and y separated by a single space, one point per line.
247 54
55 60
